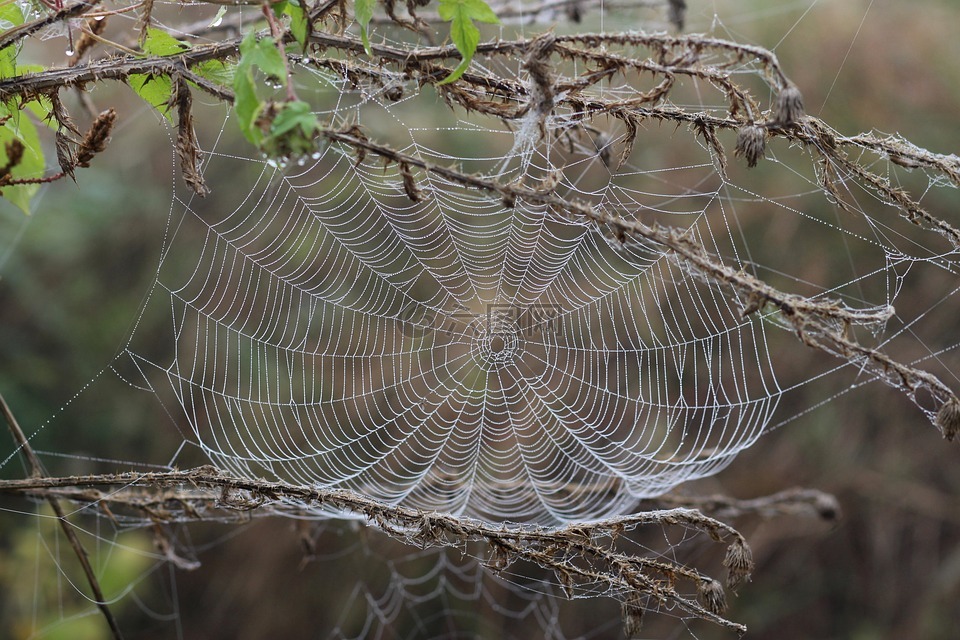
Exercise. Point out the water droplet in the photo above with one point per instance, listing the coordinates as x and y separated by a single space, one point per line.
69 52
302 161
316 155
99 18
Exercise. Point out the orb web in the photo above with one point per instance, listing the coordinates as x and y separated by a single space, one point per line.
384 330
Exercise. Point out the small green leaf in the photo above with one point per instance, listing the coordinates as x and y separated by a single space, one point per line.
217 19
467 10
295 114
31 164
247 106
292 131
10 16
161 43
363 12
298 23
264 55
463 33
154 90
216 71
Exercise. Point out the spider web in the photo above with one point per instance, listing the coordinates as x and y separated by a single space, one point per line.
358 321
453 354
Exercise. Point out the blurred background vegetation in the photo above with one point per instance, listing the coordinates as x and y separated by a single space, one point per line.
73 275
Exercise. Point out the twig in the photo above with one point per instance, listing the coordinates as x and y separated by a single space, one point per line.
36 471
580 555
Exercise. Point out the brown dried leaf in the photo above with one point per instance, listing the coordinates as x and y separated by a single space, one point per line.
633 126
187 148
65 155
60 113
87 41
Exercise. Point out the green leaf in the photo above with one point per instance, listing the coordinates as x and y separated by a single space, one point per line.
217 19
154 90
298 23
161 43
10 16
467 10
264 55
247 106
463 33
216 71
295 114
292 131
363 12
31 164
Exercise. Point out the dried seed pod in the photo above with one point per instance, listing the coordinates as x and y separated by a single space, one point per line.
789 107
96 138
713 597
751 143
739 563
948 419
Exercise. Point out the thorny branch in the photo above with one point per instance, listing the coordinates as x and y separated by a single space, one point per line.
580 555
821 324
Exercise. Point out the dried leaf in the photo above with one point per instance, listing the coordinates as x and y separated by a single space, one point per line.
187 149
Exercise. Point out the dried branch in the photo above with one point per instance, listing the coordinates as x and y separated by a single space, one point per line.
582 555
